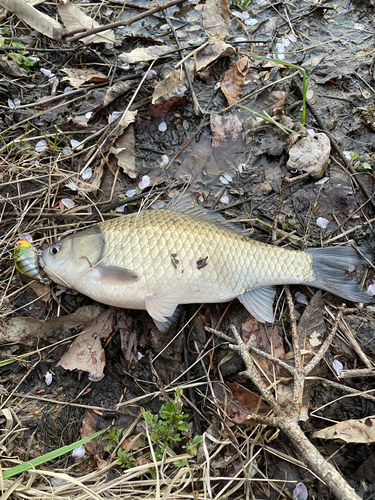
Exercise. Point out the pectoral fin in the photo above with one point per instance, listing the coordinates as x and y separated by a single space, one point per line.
112 275
162 307
259 303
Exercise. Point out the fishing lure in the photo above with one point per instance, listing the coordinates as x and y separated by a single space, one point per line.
25 258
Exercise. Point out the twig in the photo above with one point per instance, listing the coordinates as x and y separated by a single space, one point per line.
117 24
287 420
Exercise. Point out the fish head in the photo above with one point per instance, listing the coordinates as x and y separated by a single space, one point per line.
69 260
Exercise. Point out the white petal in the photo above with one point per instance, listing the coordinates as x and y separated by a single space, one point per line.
121 209
87 174
46 72
224 199
48 378
113 116
89 114
27 237
158 204
76 144
79 452
300 492
130 193
162 127
41 146
71 186
145 182
337 366
223 180
164 160
322 222
67 202
251 22
371 288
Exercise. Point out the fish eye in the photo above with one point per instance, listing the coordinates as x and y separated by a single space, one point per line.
55 248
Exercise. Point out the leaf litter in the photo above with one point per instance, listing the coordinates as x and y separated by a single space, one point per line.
152 105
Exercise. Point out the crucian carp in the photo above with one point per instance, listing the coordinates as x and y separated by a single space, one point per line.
158 259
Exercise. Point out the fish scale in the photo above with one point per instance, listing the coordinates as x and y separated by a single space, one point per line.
158 259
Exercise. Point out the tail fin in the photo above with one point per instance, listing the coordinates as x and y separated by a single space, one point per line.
332 267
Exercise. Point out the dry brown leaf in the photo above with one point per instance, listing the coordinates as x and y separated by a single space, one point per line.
3 14
22 328
78 77
129 339
92 423
74 18
216 18
269 341
144 54
123 149
234 79
34 18
86 352
175 83
239 402
11 67
350 431
115 91
42 291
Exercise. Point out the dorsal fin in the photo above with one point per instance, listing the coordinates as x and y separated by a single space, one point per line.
185 204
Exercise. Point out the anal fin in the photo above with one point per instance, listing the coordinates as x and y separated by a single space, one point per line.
163 326
259 303
162 307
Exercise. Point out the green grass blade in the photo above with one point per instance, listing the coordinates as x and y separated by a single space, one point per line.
305 80
285 129
48 456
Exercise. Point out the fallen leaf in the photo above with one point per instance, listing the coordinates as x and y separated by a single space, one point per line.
78 77
34 18
233 80
74 18
311 329
216 17
144 54
175 84
92 423
21 329
86 352
239 402
129 339
11 67
269 341
350 431
115 91
123 150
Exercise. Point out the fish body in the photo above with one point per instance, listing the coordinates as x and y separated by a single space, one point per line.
25 258
158 259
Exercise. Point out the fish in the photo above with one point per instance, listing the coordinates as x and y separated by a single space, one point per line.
25 258
156 260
